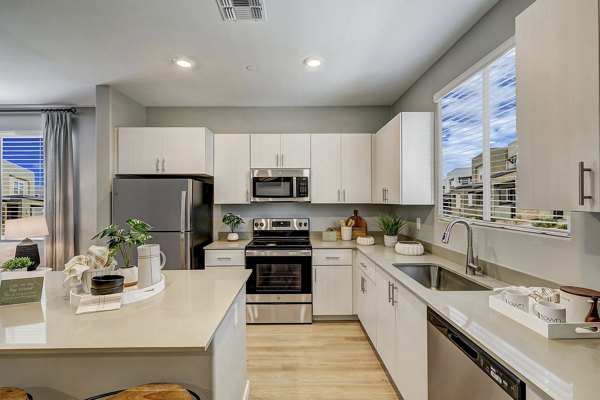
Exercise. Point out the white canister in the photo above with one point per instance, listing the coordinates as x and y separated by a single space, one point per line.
346 233
149 264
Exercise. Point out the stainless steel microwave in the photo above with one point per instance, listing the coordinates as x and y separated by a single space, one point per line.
280 185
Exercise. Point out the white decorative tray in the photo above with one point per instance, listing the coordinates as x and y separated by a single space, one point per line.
130 294
578 330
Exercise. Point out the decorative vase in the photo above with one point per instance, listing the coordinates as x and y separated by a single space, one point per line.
232 237
390 241
130 274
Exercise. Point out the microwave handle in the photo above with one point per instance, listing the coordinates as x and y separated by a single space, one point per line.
294 187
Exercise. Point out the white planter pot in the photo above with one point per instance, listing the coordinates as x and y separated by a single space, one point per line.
130 274
232 237
390 241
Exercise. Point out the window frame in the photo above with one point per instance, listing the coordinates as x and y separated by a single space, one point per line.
439 206
24 133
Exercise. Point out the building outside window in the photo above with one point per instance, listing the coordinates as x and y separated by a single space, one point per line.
21 176
479 151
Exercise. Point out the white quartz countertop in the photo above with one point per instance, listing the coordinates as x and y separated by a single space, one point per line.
184 317
225 245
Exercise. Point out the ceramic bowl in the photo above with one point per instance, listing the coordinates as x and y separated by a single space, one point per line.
107 281
104 291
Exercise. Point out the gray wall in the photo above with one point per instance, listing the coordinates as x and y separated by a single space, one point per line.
574 260
273 119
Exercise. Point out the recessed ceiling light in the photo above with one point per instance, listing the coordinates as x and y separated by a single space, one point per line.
183 62
313 62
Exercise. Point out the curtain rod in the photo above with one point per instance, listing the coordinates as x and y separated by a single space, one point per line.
35 110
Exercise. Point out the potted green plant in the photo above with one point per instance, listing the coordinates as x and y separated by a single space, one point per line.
390 224
233 221
17 264
125 241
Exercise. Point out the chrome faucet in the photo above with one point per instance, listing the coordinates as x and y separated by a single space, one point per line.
471 264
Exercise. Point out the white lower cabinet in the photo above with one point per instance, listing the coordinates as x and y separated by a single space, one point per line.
366 306
411 345
224 258
332 282
386 321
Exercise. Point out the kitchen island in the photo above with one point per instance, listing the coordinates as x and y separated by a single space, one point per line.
193 333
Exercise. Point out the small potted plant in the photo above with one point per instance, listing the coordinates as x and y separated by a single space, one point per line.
390 224
17 264
125 241
233 221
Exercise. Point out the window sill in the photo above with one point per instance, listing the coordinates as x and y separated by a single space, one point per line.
535 231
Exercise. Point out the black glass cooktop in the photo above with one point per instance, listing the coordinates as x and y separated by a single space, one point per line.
280 243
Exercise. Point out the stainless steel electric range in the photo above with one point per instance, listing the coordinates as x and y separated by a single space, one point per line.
279 291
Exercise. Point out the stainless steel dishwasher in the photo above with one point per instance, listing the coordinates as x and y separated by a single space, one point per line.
459 369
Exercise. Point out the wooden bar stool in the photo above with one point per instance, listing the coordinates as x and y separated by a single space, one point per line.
150 391
13 393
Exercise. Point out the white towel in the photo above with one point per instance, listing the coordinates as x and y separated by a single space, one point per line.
96 257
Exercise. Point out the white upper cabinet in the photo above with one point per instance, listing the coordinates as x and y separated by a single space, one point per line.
232 168
175 151
403 160
341 168
558 106
280 150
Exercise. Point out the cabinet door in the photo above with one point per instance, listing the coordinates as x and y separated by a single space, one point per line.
376 185
356 168
368 308
558 104
232 169
356 288
386 322
411 345
295 150
265 150
139 151
390 151
183 151
416 168
332 290
325 168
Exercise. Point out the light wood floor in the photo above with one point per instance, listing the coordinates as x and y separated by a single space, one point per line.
325 360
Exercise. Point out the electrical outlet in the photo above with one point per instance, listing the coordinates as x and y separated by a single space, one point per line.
418 224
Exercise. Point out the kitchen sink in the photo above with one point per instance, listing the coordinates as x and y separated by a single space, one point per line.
436 277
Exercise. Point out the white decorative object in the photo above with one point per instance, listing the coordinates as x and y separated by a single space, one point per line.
346 233
130 294
580 330
578 307
365 241
409 248
149 264
130 274
86 277
390 241
232 237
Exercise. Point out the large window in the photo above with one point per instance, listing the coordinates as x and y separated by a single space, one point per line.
479 157
22 176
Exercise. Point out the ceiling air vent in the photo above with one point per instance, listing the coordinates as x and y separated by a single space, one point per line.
235 10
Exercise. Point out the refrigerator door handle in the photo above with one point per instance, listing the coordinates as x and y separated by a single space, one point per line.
182 249
182 227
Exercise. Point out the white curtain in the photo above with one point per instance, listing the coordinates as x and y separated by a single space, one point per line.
58 162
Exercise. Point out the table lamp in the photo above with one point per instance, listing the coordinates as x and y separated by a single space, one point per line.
24 228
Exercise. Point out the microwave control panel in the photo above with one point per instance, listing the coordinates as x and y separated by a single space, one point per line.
302 186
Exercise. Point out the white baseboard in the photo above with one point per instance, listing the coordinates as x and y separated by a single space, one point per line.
247 391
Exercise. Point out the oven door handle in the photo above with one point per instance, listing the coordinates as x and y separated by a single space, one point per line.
278 253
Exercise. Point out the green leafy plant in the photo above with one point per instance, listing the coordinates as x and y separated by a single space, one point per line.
125 240
390 224
17 263
233 221
549 223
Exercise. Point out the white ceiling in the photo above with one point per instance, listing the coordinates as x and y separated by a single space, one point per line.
57 51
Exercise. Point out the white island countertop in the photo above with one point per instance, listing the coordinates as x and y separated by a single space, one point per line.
184 317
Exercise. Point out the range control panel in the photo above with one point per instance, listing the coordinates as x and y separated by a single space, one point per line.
281 224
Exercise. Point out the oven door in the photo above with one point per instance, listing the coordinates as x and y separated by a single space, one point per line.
273 188
279 276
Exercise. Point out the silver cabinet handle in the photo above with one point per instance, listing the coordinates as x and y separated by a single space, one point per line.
364 265
282 163
362 284
394 301
163 165
582 196
315 274
338 195
344 195
247 195
332 258
389 292
157 163
382 195
277 160
224 258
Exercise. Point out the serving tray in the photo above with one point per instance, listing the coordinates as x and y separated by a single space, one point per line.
568 330
130 294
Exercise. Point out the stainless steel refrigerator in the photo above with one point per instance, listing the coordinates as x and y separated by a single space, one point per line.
178 209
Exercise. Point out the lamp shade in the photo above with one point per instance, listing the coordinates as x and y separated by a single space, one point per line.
28 227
